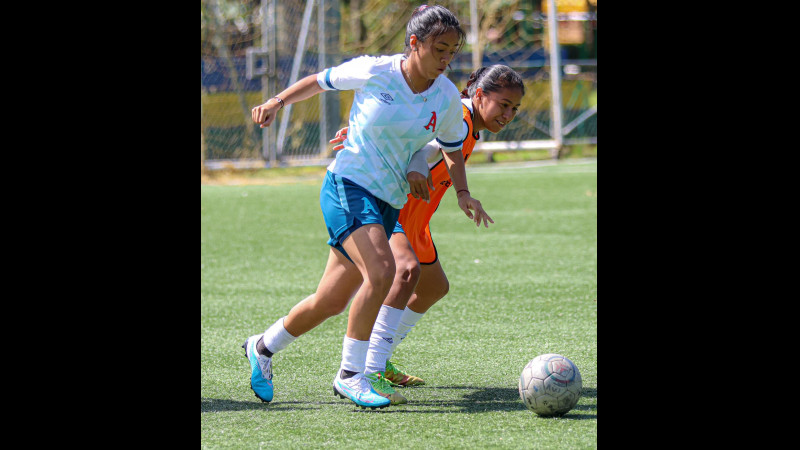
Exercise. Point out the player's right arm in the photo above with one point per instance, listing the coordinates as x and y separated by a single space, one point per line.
349 75
265 113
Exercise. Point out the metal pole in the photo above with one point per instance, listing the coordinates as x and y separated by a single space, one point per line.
555 76
476 32
265 77
323 119
298 56
268 77
333 20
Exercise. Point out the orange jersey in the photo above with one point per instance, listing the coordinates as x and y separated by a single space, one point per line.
416 214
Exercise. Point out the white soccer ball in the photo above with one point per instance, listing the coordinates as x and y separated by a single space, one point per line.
550 385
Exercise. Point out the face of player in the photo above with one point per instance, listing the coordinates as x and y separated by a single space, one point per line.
435 54
496 109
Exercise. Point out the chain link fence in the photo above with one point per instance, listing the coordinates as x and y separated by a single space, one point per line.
289 39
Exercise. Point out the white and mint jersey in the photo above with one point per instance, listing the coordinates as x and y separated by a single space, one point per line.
388 123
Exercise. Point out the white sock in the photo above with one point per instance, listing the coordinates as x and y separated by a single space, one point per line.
276 338
354 354
407 322
382 338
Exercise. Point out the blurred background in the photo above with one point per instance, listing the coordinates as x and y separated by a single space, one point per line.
253 49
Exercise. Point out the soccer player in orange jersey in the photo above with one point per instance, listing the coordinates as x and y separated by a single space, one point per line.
490 101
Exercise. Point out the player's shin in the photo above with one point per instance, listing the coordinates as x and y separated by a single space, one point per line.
408 320
382 338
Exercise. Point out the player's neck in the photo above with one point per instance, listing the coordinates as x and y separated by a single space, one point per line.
417 83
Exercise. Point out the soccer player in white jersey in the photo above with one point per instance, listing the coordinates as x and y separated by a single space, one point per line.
400 103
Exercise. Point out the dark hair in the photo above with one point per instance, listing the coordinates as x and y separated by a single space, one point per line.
492 79
432 21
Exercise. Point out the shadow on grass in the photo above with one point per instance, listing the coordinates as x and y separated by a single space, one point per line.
213 405
478 399
487 399
475 400
221 405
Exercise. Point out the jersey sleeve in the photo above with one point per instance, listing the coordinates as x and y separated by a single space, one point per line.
419 160
351 74
454 131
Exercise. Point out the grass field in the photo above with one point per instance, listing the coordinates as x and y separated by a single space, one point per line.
525 286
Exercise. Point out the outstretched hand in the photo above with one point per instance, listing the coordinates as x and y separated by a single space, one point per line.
467 203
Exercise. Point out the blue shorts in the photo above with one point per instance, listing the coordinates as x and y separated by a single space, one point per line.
398 228
347 206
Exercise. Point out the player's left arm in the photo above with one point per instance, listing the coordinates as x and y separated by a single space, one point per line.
454 162
451 140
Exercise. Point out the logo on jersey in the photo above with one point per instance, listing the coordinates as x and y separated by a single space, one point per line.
386 98
432 122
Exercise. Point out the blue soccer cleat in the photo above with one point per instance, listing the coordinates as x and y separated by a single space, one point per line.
260 370
359 390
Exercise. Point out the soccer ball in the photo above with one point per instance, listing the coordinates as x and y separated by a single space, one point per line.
550 385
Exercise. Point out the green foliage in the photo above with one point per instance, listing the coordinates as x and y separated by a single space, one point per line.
527 285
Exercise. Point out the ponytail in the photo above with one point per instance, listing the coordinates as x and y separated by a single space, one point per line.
473 77
492 79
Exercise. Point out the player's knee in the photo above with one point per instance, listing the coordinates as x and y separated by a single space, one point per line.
408 271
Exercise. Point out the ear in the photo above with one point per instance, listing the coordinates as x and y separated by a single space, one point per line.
479 93
412 42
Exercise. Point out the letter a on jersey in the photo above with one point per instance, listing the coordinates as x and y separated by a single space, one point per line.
432 121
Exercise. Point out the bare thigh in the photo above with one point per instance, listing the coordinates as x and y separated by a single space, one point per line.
371 253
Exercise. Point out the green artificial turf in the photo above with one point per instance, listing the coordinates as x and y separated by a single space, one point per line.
525 286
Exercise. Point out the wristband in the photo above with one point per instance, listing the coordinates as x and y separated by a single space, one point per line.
462 190
280 100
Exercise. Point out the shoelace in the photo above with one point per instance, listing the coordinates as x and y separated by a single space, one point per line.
381 383
266 372
391 367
